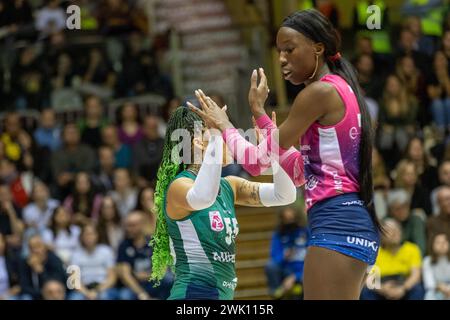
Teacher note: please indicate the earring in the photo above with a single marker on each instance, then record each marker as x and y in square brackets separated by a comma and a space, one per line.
[317, 65]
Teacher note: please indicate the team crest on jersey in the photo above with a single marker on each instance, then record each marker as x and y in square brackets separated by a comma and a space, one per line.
[216, 221]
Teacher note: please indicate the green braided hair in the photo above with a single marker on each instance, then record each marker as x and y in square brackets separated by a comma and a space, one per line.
[182, 118]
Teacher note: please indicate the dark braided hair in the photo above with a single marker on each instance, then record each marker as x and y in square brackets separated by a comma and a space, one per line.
[171, 165]
[315, 26]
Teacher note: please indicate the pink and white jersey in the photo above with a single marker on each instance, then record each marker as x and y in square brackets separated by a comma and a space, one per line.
[331, 153]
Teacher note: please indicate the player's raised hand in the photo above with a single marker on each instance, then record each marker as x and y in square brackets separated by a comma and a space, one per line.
[213, 115]
[258, 93]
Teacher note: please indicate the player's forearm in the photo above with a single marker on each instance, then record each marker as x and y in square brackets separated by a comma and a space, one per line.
[206, 186]
[279, 193]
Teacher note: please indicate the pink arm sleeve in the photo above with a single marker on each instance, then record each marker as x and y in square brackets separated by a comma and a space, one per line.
[256, 159]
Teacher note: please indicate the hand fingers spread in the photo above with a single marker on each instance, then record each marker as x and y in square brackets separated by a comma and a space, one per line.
[196, 110]
[201, 99]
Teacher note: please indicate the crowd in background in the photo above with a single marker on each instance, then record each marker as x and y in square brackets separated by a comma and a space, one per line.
[80, 193]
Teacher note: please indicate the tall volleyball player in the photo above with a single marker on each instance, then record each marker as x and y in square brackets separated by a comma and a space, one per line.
[330, 120]
[196, 214]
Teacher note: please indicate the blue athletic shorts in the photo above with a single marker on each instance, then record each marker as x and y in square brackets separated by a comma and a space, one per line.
[343, 224]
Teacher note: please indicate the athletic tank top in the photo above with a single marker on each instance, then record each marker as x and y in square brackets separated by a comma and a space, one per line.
[331, 153]
[204, 248]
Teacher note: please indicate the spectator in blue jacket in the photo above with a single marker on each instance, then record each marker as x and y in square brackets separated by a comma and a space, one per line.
[287, 255]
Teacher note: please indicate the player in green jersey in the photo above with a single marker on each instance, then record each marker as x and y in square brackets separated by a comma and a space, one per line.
[197, 226]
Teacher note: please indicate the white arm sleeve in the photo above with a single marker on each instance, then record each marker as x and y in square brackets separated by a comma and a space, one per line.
[279, 193]
[204, 192]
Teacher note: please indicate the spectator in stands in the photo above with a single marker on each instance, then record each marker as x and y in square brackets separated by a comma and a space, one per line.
[407, 179]
[38, 213]
[122, 152]
[412, 221]
[16, 18]
[369, 81]
[128, 120]
[73, 157]
[51, 18]
[115, 17]
[9, 272]
[103, 178]
[48, 134]
[381, 183]
[20, 183]
[412, 78]
[92, 123]
[441, 222]
[428, 173]
[423, 44]
[109, 226]
[436, 269]
[10, 224]
[170, 107]
[146, 206]
[29, 85]
[40, 265]
[53, 290]
[287, 254]
[134, 264]
[444, 179]
[83, 203]
[140, 69]
[124, 193]
[439, 93]
[380, 175]
[147, 153]
[399, 265]
[62, 236]
[13, 137]
[407, 47]
[96, 263]
[63, 73]
[97, 73]
[397, 116]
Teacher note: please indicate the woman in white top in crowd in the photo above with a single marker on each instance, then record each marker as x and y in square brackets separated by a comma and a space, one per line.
[109, 226]
[96, 262]
[62, 235]
[436, 269]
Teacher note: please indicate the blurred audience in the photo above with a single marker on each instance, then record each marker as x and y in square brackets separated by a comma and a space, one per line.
[287, 255]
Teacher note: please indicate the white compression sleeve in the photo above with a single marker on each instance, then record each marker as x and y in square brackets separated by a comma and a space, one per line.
[204, 192]
[279, 193]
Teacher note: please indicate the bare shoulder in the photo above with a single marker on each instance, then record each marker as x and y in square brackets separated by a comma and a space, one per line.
[322, 95]
[318, 91]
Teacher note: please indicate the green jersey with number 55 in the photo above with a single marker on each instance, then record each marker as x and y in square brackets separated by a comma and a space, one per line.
[204, 249]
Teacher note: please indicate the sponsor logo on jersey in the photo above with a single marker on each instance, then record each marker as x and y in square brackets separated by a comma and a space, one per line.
[216, 221]
[224, 257]
[337, 181]
[350, 203]
[305, 147]
[312, 182]
[230, 284]
[353, 133]
[363, 242]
